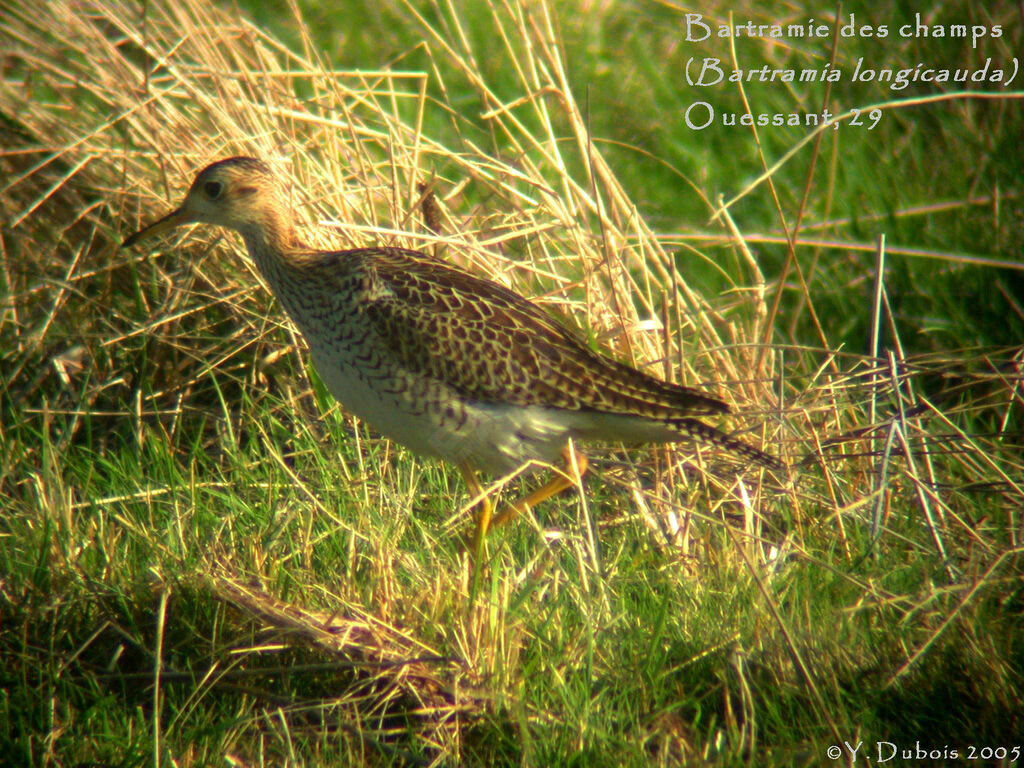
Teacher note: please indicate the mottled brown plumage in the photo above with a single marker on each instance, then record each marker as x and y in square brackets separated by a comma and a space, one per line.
[449, 364]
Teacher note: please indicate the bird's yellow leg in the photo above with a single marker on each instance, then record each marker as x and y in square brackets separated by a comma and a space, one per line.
[483, 523]
[569, 477]
[483, 517]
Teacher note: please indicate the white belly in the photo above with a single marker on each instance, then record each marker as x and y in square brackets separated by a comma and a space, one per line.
[494, 438]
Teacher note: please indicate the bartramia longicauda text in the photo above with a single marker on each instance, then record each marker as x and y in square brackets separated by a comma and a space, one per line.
[448, 364]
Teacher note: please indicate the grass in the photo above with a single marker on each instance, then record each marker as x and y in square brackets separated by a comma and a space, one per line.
[204, 560]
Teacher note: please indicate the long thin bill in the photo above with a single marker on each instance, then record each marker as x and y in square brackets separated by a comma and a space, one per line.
[173, 219]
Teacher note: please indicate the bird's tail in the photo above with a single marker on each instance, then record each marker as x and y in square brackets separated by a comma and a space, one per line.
[703, 433]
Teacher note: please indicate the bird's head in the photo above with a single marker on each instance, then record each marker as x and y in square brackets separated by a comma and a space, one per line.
[241, 193]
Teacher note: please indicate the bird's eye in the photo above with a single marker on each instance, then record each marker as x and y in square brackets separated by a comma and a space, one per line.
[213, 189]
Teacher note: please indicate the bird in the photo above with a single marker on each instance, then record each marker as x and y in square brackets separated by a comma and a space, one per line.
[450, 365]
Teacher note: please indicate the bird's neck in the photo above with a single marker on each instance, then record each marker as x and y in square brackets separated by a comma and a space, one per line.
[271, 243]
[279, 256]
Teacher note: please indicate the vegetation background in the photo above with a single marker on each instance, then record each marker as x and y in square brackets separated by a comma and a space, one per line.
[204, 561]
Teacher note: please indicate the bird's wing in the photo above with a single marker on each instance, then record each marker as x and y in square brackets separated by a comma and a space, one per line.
[492, 345]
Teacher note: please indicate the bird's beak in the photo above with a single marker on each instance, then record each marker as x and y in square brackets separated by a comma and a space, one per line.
[173, 219]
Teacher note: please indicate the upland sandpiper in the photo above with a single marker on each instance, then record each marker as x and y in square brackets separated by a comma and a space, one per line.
[447, 364]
